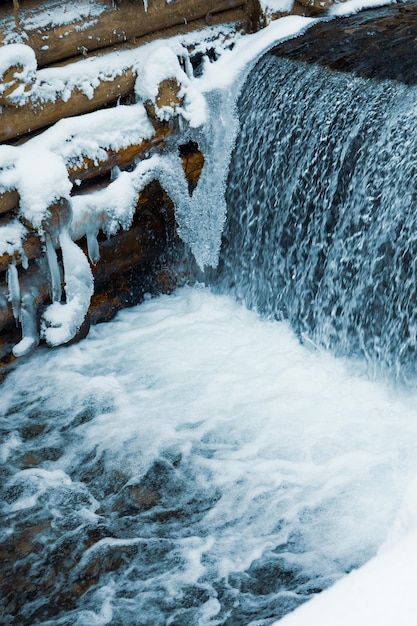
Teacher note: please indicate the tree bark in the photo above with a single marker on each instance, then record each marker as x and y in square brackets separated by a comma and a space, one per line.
[18, 121]
[114, 26]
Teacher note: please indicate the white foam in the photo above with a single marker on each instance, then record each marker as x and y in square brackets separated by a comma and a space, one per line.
[300, 447]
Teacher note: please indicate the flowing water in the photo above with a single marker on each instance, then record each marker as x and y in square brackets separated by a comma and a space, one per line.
[323, 231]
[194, 463]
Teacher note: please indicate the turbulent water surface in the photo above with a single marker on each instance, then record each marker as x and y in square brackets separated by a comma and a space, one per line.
[192, 463]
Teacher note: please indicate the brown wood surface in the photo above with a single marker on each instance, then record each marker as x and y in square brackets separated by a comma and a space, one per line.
[15, 122]
[89, 168]
[114, 26]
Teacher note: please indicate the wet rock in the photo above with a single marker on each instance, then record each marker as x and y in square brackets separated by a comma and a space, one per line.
[378, 44]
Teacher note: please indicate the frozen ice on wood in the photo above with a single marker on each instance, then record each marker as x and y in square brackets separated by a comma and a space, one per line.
[61, 322]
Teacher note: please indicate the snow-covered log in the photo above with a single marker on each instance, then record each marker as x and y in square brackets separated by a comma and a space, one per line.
[88, 167]
[17, 121]
[17, 71]
[55, 34]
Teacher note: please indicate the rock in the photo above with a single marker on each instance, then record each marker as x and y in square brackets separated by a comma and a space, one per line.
[378, 44]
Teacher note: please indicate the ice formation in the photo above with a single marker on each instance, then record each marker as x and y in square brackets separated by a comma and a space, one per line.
[60, 322]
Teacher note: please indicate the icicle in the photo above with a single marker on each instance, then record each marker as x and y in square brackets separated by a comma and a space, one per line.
[61, 322]
[54, 270]
[30, 336]
[188, 68]
[145, 5]
[25, 260]
[14, 290]
[92, 247]
[115, 172]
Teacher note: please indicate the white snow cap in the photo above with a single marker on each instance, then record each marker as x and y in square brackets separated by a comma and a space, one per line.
[45, 181]
[17, 54]
[163, 64]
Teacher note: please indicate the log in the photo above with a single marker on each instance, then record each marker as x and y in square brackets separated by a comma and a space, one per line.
[113, 26]
[10, 82]
[122, 158]
[89, 168]
[36, 115]
[8, 201]
[129, 267]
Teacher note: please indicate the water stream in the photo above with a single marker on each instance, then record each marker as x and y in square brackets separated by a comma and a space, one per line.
[323, 230]
[194, 463]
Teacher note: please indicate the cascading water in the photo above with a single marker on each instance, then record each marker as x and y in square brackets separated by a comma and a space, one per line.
[322, 199]
[191, 464]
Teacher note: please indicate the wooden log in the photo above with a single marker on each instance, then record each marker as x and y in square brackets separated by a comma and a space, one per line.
[8, 201]
[122, 158]
[10, 81]
[36, 115]
[129, 266]
[119, 22]
[89, 168]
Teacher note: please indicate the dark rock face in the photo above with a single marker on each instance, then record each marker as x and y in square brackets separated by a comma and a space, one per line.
[378, 44]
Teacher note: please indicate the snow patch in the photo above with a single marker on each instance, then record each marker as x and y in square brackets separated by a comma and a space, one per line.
[354, 6]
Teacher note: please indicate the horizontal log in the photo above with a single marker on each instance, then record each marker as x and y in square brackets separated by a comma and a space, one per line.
[113, 26]
[122, 158]
[89, 168]
[8, 201]
[128, 267]
[36, 115]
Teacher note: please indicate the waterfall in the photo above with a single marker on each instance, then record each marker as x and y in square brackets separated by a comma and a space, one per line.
[191, 462]
[322, 223]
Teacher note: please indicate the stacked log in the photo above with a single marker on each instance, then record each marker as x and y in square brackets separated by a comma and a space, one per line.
[130, 261]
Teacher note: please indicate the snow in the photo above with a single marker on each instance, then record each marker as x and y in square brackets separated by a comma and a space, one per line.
[22, 58]
[382, 592]
[269, 7]
[90, 135]
[53, 14]
[354, 6]
[41, 180]
[11, 237]
[162, 64]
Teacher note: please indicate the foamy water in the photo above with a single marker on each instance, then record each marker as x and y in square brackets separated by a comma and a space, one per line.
[190, 463]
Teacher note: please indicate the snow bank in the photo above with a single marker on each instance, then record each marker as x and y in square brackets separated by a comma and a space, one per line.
[354, 6]
[381, 593]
